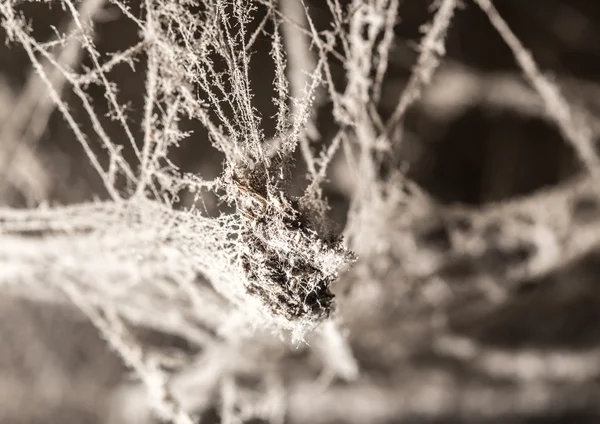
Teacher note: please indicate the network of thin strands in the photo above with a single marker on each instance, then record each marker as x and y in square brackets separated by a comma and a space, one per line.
[135, 261]
[282, 261]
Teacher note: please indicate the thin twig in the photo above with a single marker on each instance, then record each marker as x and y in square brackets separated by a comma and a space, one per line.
[432, 47]
[573, 128]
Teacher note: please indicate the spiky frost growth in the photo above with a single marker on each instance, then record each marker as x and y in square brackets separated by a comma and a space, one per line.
[286, 263]
[198, 62]
[270, 263]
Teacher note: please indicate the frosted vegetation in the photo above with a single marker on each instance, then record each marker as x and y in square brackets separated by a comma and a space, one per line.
[249, 279]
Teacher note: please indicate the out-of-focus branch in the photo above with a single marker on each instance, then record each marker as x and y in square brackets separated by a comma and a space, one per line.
[574, 128]
[141, 268]
[432, 48]
[434, 395]
[300, 59]
[22, 129]
[457, 88]
[123, 257]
